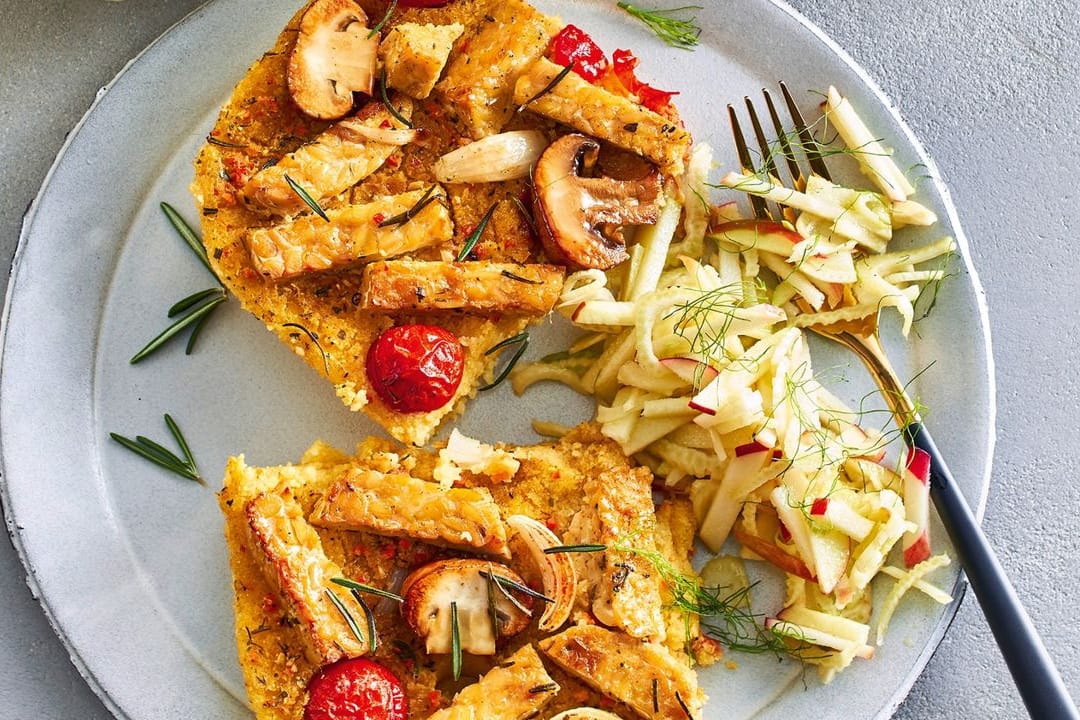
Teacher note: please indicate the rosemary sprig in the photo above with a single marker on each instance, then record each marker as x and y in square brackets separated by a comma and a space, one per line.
[549, 87]
[306, 197]
[163, 457]
[315, 339]
[361, 587]
[474, 237]
[389, 105]
[455, 641]
[583, 548]
[195, 316]
[188, 235]
[522, 342]
[379, 25]
[403, 217]
[678, 32]
[349, 619]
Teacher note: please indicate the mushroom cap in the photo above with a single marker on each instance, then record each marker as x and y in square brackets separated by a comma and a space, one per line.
[428, 591]
[570, 208]
[333, 58]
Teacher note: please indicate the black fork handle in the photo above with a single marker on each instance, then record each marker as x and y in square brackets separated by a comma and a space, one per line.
[1036, 677]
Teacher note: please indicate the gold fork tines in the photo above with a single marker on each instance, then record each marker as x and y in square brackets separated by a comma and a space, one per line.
[861, 338]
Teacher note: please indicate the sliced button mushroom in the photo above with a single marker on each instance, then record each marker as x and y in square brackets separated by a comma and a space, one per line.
[474, 586]
[572, 208]
[333, 58]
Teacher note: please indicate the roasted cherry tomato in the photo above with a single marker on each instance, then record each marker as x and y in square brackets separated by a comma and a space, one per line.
[623, 64]
[355, 689]
[573, 45]
[415, 368]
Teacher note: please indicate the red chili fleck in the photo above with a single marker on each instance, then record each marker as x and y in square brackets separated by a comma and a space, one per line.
[384, 124]
[377, 218]
[573, 45]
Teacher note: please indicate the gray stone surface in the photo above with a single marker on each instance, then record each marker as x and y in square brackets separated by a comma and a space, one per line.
[988, 87]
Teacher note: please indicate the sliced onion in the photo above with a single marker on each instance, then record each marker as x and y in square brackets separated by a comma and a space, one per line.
[556, 569]
[385, 136]
[506, 156]
[585, 713]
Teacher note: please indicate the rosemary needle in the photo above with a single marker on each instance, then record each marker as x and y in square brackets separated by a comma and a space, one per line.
[522, 342]
[389, 105]
[379, 25]
[403, 217]
[549, 87]
[349, 620]
[353, 585]
[194, 299]
[188, 235]
[455, 641]
[306, 197]
[474, 236]
[160, 455]
[168, 333]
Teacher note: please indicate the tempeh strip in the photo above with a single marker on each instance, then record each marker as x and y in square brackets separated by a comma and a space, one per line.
[295, 565]
[398, 505]
[514, 690]
[478, 287]
[352, 233]
[333, 162]
[645, 676]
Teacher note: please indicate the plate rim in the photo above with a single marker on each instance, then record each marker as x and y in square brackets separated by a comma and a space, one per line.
[959, 590]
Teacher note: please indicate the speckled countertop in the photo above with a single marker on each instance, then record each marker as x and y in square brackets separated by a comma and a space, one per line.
[989, 88]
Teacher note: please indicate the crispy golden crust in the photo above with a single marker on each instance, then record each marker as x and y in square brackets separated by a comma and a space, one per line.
[547, 486]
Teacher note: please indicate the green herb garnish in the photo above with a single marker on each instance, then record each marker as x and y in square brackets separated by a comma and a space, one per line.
[306, 197]
[549, 87]
[379, 25]
[522, 342]
[583, 548]
[474, 236]
[361, 587]
[679, 32]
[349, 620]
[389, 105]
[195, 317]
[314, 339]
[514, 276]
[403, 217]
[181, 226]
[370, 617]
[162, 456]
[455, 641]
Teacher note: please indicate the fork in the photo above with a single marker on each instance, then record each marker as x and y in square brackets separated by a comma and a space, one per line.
[1037, 679]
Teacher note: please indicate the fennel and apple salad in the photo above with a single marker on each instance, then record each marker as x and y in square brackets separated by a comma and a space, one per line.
[696, 354]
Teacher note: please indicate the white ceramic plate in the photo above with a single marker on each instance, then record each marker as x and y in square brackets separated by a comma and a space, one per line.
[129, 561]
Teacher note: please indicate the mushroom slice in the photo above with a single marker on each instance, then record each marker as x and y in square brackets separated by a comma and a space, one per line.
[516, 689]
[333, 58]
[570, 207]
[645, 676]
[398, 505]
[556, 569]
[474, 585]
[477, 287]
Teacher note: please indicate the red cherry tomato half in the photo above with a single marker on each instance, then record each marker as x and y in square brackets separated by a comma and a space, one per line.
[355, 689]
[623, 64]
[415, 368]
[573, 45]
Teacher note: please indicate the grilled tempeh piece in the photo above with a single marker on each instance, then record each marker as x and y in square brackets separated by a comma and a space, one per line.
[333, 162]
[602, 114]
[414, 55]
[398, 505]
[515, 690]
[480, 79]
[623, 590]
[295, 564]
[645, 676]
[478, 287]
[311, 244]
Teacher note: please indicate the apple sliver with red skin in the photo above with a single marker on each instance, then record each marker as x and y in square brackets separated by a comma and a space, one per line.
[691, 370]
[916, 544]
[741, 477]
[765, 235]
